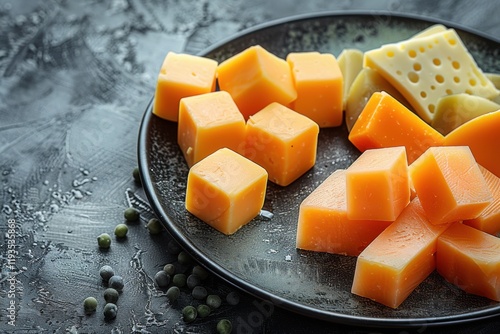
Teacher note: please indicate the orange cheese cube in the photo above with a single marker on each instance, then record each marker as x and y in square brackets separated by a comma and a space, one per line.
[207, 123]
[489, 219]
[482, 135]
[470, 259]
[385, 122]
[282, 141]
[450, 184]
[399, 259]
[226, 190]
[377, 184]
[323, 225]
[256, 78]
[319, 84]
[182, 75]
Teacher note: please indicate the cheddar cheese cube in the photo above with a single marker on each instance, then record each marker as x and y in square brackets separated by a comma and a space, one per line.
[386, 122]
[377, 184]
[282, 141]
[226, 190]
[489, 219]
[255, 78]
[399, 259]
[323, 225]
[319, 84]
[182, 75]
[450, 184]
[207, 123]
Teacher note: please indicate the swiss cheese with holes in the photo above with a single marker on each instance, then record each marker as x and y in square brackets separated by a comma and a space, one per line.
[426, 68]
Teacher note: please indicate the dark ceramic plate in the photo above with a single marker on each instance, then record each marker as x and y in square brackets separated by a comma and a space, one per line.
[261, 258]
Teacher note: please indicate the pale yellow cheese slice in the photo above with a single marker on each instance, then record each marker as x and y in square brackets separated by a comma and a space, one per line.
[426, 68]
[350, 62]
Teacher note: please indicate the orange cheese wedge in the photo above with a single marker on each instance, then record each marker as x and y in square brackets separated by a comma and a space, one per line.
[450, 184]
[226, 190]
[489, 219]
[323, 225]
[377, 184]
[470, 259]
[319, 84]
[282, 141]
[182, 75]
[385, 122]
[399, 259]
[482, 135]
[207, 123]
[255, 78]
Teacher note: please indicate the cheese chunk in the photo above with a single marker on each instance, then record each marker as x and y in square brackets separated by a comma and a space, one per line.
[366, 83]
[482, 135]
[351, 63]
[385, 122]
[182, 75]
[226, 190]
[455, 110]
[470, 259]
[323, 225]
[436, 28]
[377, 184]
[319, 85]
[450, 184]
[282, 141]
[407, 65]
[207, 123]
[489, 219]
[255, 78]
[399, 259]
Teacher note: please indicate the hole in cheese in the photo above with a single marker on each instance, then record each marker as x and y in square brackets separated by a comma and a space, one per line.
[412, 53]
[439, 78]
[436, 61]
[413, 77]
[455, 64]
[417, 66]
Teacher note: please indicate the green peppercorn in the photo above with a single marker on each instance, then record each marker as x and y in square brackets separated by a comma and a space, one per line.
[90, 304]
[179, 280]
[131, 214]
[199, 292]
[233, 298]
[121, 230]
[136, 174]
[184, 258]
[201, 272]
[224, 326]
[189, 313]
[111, 295]
[106, 272]
[162, 279]
[214, 301]
[169, 269]
[173, 293]
[104, 240]
[203, 310]
[116, 282]
[154, 226]
[192, 281]
[110, 311]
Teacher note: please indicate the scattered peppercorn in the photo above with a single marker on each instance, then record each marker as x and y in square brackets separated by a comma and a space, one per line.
[173, 293]
[233, 298]
[116, 282]
[110, 311]
[214, 301]
[184, 258]
[136, 174]
[189, 313]
[104, 240]
[111, 295]
[179, 280]
[154, 226]
[162, 279]
[201, 272]
[199, 292]
[203, 310]
[106, 272]
[131, 214]
[90, 304]
[224, 326]
[121, 230]
[169, 269]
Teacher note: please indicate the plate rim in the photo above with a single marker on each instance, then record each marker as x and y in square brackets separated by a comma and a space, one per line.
[230, 278]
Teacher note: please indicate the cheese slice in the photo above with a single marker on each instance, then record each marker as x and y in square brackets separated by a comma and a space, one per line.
[351, 63]
[426, 68]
